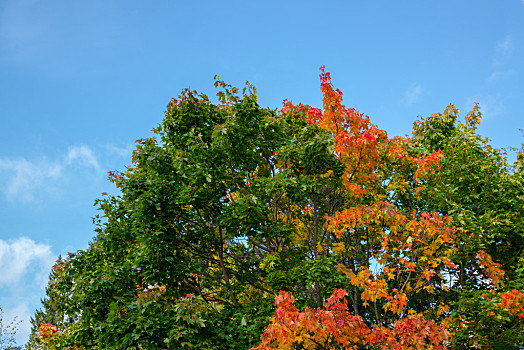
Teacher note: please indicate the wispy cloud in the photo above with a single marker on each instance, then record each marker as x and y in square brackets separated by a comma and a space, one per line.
[412, 94]
[491, 106]
[502, 56]
[82, 155]
[122, 152]
[503, 51]
[20, 178]
[500, 75]
[506, 46]
[19, 256]
[25, 266]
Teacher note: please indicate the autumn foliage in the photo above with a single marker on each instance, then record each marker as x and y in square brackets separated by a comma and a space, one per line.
[413, 252]
[333, 327]
[304, 228]
[46, 332]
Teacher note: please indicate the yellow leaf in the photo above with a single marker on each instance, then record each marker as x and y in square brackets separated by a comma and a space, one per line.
[339, 248]
[430, 289]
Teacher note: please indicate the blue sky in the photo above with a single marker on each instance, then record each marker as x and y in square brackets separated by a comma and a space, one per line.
[80, 81]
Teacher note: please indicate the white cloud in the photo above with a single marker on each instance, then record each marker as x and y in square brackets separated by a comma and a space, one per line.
[25, 266]
[84, 155]
[19, 256]
[122, 152]
[412, 94]
[500, 75]
[503, 51]
[506, 47]
[21, 179]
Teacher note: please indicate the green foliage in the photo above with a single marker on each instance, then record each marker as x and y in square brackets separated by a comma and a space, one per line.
[203, 209]
[485, 196]
[54, 306]
[229, 204]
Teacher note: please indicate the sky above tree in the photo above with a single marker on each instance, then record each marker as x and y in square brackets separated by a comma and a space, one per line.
[80, 81]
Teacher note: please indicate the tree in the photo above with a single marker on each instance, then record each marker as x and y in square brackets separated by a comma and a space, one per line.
[428, 248]
[200, 212]
[231, 204]
[52, 311]
[484, 195]
[8, 333]
[389, 254]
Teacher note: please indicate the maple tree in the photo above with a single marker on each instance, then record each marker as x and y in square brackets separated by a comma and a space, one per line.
[370, 230]
[380, 241]
[52, 315]
[413, 255]
[335, 327]
[483, 194]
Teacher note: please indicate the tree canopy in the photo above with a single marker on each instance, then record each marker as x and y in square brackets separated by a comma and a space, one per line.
[363, 241]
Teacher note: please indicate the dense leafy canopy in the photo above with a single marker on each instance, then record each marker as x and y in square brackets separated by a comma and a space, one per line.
[383, 243]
